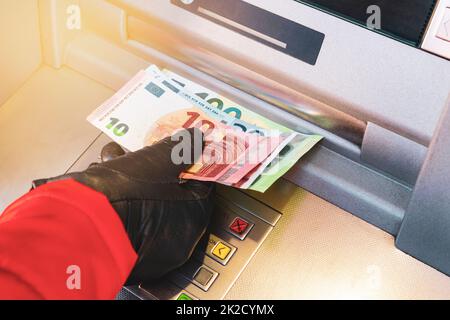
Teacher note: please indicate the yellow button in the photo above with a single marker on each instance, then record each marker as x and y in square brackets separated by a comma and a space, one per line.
[221, 251]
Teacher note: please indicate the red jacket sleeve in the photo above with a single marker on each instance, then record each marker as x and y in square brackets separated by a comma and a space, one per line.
[63, 241]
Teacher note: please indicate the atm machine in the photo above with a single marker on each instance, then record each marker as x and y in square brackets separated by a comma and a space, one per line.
[366, 214]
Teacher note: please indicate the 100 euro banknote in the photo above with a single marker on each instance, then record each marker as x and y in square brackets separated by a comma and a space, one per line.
[279, 162]
[144, 112]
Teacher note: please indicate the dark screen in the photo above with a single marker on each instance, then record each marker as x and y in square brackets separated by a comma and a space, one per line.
[402, 19]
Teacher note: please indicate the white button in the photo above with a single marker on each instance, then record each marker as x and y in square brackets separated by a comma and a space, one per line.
[444, 27]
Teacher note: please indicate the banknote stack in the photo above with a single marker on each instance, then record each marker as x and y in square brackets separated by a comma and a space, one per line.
[242, 148]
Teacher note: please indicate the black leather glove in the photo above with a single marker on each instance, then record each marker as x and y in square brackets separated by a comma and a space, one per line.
[163, 216]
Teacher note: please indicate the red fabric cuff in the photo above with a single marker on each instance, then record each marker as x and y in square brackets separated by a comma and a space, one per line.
[56, 226]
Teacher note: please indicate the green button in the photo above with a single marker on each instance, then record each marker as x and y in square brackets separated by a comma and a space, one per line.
[184, 296]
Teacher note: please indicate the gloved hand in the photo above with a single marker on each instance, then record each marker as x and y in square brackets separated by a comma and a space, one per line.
[163, 216]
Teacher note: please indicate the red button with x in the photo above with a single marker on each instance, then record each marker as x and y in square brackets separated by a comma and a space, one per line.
[239, 227]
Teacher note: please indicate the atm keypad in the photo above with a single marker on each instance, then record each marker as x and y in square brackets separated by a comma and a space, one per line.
[228, 245]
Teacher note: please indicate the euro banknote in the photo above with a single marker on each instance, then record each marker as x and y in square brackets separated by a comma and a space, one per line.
[226, 111]
[145, 111]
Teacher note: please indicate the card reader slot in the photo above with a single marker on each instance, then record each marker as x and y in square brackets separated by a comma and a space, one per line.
[149, 39]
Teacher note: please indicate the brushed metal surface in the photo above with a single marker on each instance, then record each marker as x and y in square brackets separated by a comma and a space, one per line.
[318, 251]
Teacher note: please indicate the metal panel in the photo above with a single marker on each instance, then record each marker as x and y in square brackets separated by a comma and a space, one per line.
[353, 187]
[318, 251]
[366, 75]
[425, 231]
[393, 154]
